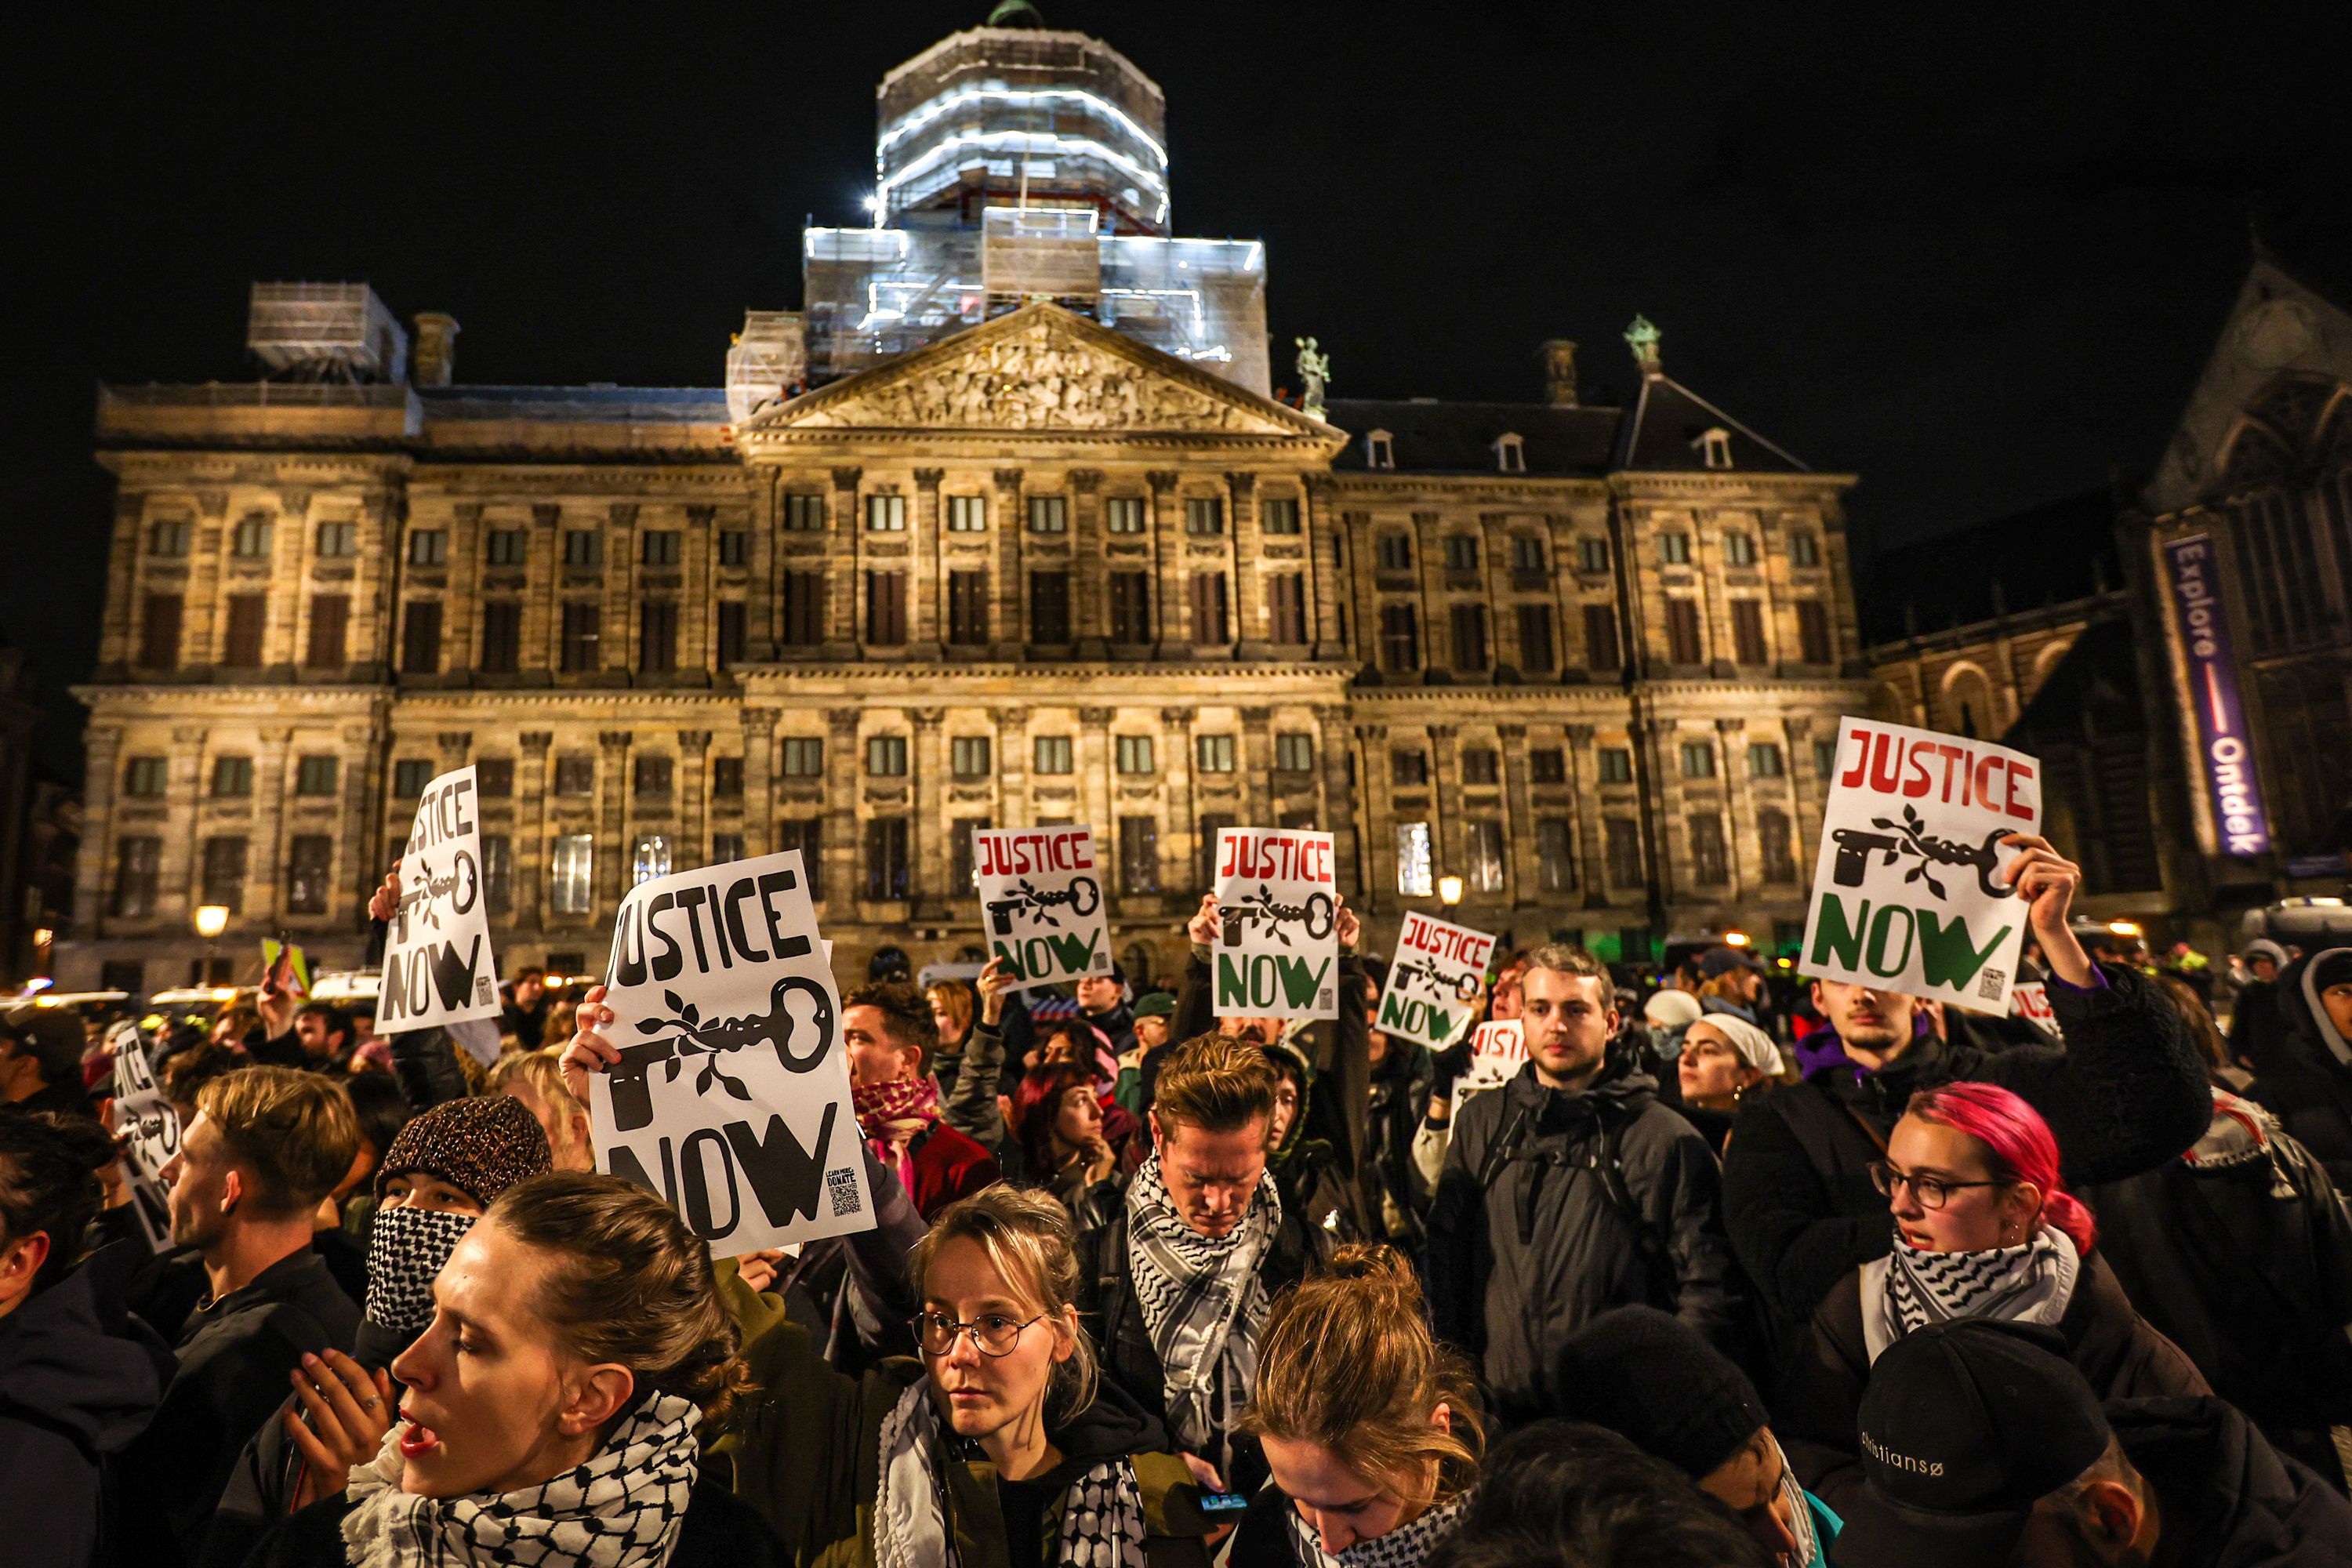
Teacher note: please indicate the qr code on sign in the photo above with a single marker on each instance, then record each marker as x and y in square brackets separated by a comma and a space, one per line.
[1325, 999]
[481, 990]
[1994, 979]
[843, 1184]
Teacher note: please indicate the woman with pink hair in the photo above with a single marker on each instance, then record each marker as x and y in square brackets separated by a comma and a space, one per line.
[1983, 1227]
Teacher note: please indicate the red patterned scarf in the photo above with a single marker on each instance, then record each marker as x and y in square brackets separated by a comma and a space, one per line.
[892, 1115]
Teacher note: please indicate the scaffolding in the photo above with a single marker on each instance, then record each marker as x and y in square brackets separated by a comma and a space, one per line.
[768, 360]
[325, 331]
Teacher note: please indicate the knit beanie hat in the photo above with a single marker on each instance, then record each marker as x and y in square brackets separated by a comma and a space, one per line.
[480, 1146]
[1653, 1378]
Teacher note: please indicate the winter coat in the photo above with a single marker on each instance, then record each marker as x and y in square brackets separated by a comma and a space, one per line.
[1554, 1206]
[1401, 1085]
[2240, 1253]
[2125, 1094]
[2226, 1497]
[718, 1531]
[805, 1453]
[948, 1166]
[1815, 1417]
[2302, 1082]
[236, 1360]
[79, 1379]
[967, 1081]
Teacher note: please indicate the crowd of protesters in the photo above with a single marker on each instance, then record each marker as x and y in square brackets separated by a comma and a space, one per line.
[1734, 1272]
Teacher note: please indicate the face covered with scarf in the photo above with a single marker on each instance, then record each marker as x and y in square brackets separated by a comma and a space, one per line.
[443, 1170]
[895, 1099]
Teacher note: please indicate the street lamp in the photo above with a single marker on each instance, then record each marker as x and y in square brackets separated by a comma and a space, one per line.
[1449, 890]
[211, 920]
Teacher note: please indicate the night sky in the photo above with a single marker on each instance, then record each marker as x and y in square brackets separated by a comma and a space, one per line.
[1976, 256]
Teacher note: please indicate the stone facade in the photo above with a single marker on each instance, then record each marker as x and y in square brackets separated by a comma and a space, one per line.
[1035, 572]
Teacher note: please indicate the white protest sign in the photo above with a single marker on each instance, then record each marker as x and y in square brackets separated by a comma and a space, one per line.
[1434, 980]
[1910, 891]
[1041, 894]
[438, 967]
[1278, 906]
[1498, 1051]
[2030, 1000]
[731, 1098]
[140, 1110]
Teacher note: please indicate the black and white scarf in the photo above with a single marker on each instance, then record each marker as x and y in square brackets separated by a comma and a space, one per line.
[1203, 1301]
[1908, 1288]
[1102, 1514]
[407, 1247]
[1408, 1546]
[621, 1510]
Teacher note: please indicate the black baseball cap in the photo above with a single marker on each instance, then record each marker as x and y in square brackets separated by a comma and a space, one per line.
[1964, 1427]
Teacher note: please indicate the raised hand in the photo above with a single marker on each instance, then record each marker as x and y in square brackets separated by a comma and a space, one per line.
[994, 982]
[2047, 880]
[1203, 926]
[349, 1408]
[385, 902]
[589, 1051]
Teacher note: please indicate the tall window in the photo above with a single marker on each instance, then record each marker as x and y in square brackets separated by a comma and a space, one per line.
[501, 635]
[1416, 873]
[1615, 764]
[316, 776]
[1682, 645]
[804, 757]
[252, 538]
[1213, 753]
[805, 513]
[310, 867]
[497, 873]
[1481, 765]
[1698, 760]
[968, 756]
[1278, 514]
[886, 514]
[494, 777]
[583, 547]
[1747, 630]
[223, 872]
[1708, 868]
[886, 609]
[1764, 761]
[658, 637]
[657, 547]
[410, 775]
[1814, 632]
[967, 608]
[1135, 754]
[1286, 607]
[1208, 608]
[1399, 638]
[428, 547]
[136, 862]
[571, 874]
[803, 608]
[1555, 856]
[648, 859]
[1536, 654]
[1204, 867]
[1601, 655]
[1130, 607]
[1739, 547]
[1591, 554]
[726, 778]
[1124, 514]
[1462, 553]
[1547, 766]
[575, 773]
[1674, 548]
[724, 848]
[1049, 514]
[1052, 754]
[1804, 548]
[145, 778]
[1526, 553]
[1204, 515]
[807, 836]
[1409, 767]
[331, 620]
[580, 636]
[231, 778]
[652, 775]
[506, 546]
[730, 631]
[886, 756]
[1825, 759]
[334, 541]
[1138, 855]
[1482, 848]
[248, 613]
[1394, 553]
[1049, 607]
[967, 514]
[963, 870]
[1470, 639]
[168, 538]
[420, 642]
[1772, 833]
[1622, 838]
[159, 632]
[1294, 751]
[885, 858]
[734, 547]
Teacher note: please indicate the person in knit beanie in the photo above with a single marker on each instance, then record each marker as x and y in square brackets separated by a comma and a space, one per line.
[1653, 1379]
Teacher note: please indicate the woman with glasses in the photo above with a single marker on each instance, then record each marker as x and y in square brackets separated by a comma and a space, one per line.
[997, 1446]
[1984, 1227]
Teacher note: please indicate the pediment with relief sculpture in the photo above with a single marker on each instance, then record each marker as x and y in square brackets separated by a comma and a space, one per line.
[1040, 370]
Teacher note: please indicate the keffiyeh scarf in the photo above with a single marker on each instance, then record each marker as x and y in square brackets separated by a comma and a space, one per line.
[407, 1247]
[1908, 1289]
[892, 1116]
[1407, 1547]
[1102, 1514]
[621, 1510]
[1203, 1301]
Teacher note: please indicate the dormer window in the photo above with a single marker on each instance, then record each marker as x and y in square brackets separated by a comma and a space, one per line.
[1715, 447]
[1511, 455]
[1379, 450]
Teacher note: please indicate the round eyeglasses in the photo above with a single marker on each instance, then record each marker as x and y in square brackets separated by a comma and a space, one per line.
[1931, 1191]
[994, 1335]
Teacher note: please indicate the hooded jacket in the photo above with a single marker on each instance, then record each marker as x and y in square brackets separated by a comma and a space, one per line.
[1403, 1084]
[80, 1378]
[2125, 1094]
[1555, 1205]
[2226, 1498]
[2299, 1075]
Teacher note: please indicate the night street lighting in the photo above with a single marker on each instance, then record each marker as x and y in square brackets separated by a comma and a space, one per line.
[211, 920]
[1449, 890]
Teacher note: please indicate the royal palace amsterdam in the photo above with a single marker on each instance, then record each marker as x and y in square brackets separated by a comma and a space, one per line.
[1004, 526]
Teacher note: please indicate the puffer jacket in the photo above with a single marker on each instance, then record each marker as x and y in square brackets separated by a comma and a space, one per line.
[2125, 1094]
[1554, 1206]
[2230, 1500]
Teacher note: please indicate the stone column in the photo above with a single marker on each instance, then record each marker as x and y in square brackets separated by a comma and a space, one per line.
[178, 877]
[1808, 794]
[1379, 826]
[845, 767]
[693, 797]
[617, 647]
[1523, 878]
[1256, 763]
[929, 870]
[1089, 577]
[697, 596]
[115, 635]
[1334, 809]
[1326, 573]
[1180, 842]
[364, 862]
[93, 895]
[461, 610]
[759, 780]
[615, 867]
[543, 635]
[1445, 801]
[200, 607]
[1168, 573]
[1247, 626]
[1096, 789]
[1013, 808]
[1008, 627]
[265, 897]
[927, 631]
[531, 784]
[1738, 817]
[1584, 801]
[846, 543]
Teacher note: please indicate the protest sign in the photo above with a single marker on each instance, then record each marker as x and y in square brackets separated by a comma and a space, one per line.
[1041, 895]
[2030, 1000]
[1277, 906]
[140, 1110]
[438, 967]
[298, 965]
[731, 1098]
[1498, 1051]
[1434, 981]
[1910, 891]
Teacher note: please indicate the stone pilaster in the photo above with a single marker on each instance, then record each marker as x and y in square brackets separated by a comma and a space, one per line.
[531, 786]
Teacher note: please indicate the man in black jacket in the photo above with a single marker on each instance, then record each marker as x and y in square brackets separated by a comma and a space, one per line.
[267, 1144]
[2126, 1093]
[1570, 1191]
